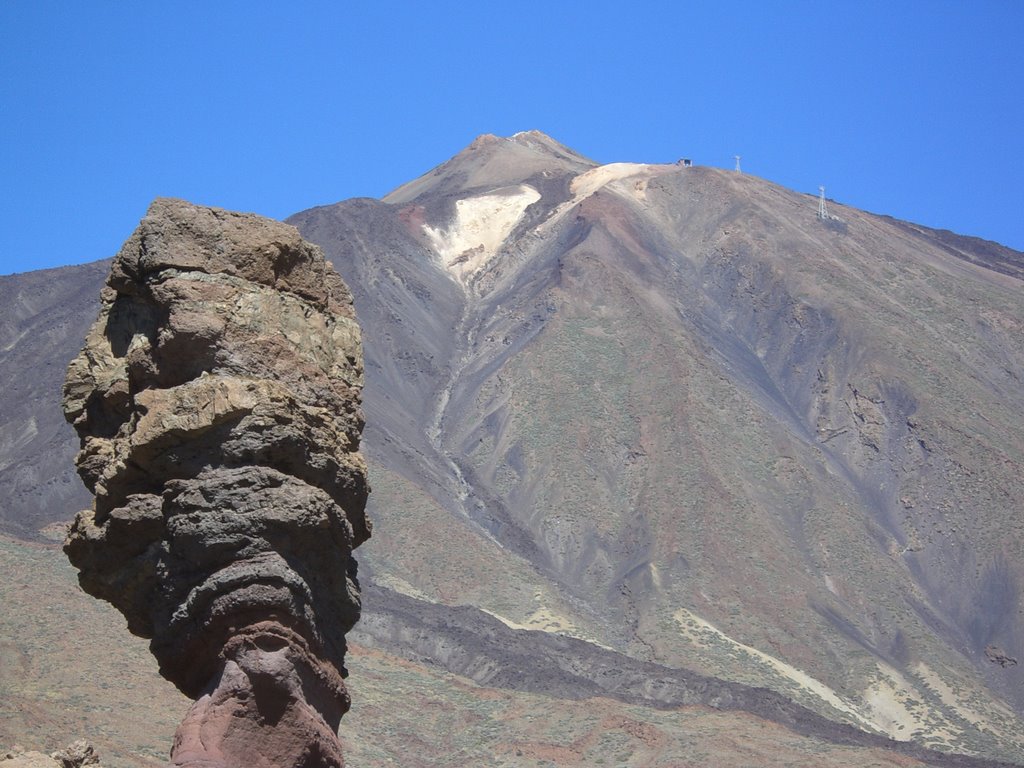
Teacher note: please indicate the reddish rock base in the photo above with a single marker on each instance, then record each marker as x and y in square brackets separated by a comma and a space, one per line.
[273, 705]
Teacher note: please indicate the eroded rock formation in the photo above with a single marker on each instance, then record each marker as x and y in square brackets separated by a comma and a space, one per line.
[217, 399]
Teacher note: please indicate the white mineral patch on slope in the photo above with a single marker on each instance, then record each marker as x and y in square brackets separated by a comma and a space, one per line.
[705, 633]
[948, 696]
[588, 183]
[887, 699]
[543, 619]
[402, 587]
[481, 226]
[891, 704]
[626, 178]
[963, 698]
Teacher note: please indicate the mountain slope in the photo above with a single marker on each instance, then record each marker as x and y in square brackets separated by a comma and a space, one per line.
[740, 456]
[675, 413]
[41, 328]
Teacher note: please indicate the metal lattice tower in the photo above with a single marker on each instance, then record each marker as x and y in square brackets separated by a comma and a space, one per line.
[737, 158]
[822, 209]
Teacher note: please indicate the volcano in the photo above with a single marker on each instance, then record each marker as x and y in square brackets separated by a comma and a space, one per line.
[667, 468]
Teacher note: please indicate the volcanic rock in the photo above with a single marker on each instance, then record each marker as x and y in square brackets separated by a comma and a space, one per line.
[217, 400]
[76, 755]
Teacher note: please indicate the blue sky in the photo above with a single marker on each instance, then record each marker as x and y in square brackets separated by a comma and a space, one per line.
[913, 109]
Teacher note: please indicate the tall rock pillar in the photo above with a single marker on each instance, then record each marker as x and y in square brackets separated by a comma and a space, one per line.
[218, 404]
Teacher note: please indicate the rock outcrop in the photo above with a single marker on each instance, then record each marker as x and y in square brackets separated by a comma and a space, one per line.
[217, 399]
[76, 755]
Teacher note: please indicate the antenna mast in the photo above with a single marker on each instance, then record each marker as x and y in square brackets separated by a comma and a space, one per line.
[737, 158]
[822, 209]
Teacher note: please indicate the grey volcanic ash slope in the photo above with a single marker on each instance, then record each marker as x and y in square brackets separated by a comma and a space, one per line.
[668, 410]
[43, 319]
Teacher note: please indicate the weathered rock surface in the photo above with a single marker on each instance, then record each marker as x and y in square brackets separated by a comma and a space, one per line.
[76, 755]
[218, 404]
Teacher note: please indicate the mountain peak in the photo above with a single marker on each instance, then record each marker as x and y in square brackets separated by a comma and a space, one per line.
[533, 139]
[495, 161]
[540, 141]
[483, 140]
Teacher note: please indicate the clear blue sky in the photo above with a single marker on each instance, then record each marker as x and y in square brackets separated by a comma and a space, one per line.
[908, 108]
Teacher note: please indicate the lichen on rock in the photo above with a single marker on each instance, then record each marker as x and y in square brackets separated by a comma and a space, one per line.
[217, 400]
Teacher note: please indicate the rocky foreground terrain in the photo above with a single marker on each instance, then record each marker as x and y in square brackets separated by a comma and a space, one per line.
[666, 471]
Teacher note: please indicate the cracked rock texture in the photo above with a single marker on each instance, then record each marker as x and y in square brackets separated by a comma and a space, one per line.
[217, 400]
